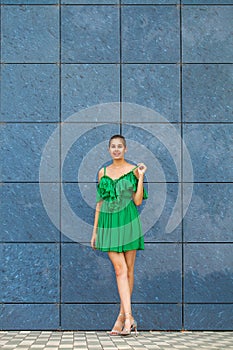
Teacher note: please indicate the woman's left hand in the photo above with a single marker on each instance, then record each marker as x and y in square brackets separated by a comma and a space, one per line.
[141, 169]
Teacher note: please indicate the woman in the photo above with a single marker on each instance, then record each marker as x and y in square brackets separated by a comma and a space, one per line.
[117, 227]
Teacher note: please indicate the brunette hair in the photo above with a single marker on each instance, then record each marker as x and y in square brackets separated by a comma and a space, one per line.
[117, 137]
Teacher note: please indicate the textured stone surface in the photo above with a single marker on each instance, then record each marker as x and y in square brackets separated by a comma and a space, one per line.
[158, 316]
[152, 2]
[22, 316]
[33, 92]
[30, 34]
[29, 272]
[102, 316]
[84, 85]
[209, 317]
[21, 150]
[89, 136]
[81, 268]
[30, 2]
[208, 273]
[92, 316]
[207, 92]
[164, 148]
[81, 271]
[89, 2]
[150, 34]
[215, 2]
[81, 198]
[209, 217]
[23, 215]
[155, 86]
[207, 34]
[158, 274]
[90, 34]
[210, 147]
[157, 233]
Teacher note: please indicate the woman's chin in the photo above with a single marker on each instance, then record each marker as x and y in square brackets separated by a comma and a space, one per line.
[118, 158]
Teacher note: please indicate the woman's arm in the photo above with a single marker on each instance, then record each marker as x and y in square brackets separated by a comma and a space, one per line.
[97, 210]
[138, 195]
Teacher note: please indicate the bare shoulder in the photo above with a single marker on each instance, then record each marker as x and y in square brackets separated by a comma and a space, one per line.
[100, 173]
[130, 167]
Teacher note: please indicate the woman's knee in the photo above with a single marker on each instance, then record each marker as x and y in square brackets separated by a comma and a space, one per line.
[121, 270]
[130, 271]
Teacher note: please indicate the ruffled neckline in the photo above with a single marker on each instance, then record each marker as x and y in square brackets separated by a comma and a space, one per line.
[118, 178]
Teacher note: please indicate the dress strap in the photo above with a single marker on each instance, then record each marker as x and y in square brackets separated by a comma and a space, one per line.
[105, 170]
[134, 168]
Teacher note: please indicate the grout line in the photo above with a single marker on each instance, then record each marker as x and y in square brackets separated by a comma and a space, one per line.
[182, 169]
[117, 62]
[60, 170]
[115, 4]
[146, 242]
[2, 183]
[117, 303]
[121, 73]
[112, 123]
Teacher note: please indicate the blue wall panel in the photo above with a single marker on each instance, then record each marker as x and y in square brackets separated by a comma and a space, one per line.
[206, 34]
[22, 145]
[61, 62]
[23, 216]
[30, 34]
[33, 92]
[150, 34]
[29, 272]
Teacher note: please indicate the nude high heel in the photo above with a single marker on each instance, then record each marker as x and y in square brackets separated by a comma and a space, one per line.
[133, 326]
[115, 331]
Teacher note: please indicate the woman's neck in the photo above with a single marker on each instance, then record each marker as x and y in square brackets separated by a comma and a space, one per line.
[118, 163]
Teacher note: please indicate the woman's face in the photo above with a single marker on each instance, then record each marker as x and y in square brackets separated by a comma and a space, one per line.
[117, 148]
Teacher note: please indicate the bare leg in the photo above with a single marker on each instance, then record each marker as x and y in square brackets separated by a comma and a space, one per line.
[121, 270]
[124, 267]
[130, 261]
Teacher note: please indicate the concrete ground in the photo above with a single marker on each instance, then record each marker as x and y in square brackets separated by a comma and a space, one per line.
[66, 340]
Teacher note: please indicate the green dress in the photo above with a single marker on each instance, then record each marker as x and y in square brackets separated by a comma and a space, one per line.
[119, 226]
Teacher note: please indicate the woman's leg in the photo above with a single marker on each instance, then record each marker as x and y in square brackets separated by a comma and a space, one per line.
[121, 271]
[130, 260]
[130, 257]
[125, 280]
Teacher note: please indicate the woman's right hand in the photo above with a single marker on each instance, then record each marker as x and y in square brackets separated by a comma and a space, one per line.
[93, 240]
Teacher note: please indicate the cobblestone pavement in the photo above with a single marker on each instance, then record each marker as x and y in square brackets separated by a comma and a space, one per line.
[66, 340]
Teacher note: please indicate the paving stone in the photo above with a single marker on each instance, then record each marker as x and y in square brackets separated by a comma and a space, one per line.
[101, 340]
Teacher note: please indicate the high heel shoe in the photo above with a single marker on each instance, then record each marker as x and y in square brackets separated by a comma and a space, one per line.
[133, 326]
[116, 331]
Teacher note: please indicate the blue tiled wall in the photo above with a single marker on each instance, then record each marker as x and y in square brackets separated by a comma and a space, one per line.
[59, 57]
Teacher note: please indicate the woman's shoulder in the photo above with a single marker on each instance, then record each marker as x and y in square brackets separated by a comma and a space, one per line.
[101, 173]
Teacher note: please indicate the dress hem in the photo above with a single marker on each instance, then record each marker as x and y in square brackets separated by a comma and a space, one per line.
[117, 251]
